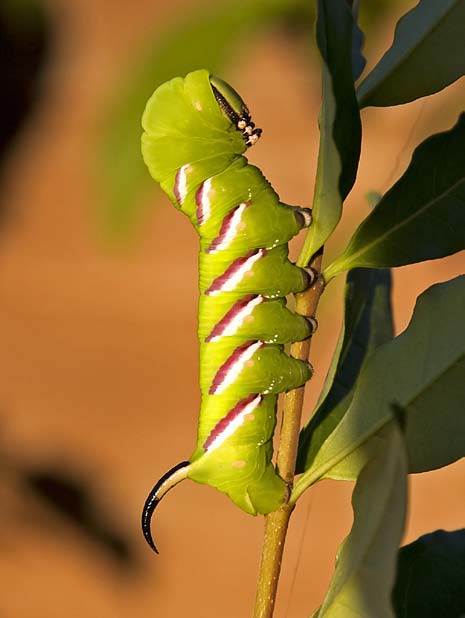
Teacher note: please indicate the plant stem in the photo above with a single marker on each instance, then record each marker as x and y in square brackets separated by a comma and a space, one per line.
[276, 523]
[273, 545]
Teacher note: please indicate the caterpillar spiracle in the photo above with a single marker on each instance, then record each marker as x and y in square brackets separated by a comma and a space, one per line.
[196, 130]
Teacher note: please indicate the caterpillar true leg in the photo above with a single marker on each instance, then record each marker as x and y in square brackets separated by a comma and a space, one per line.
[196, 130]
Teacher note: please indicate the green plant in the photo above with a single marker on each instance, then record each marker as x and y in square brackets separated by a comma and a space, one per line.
[390, 405]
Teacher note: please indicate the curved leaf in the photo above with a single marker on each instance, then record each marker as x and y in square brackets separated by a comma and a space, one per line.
[205, 38]
[430, 577]
[367, 324]
[428, 54]
[366, 561]
[340, 128]
[421, 371]
[422, 217]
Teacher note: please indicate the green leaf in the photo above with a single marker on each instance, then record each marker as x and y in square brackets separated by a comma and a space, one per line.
[430, 577]
[422, 217]
[366, 561]
[203, 38]
[421, 371]
[367, 324]
[428, 54]
[340, 129]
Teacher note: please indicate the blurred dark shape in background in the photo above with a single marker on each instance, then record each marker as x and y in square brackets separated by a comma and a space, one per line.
[61, 490]
[25, 41]
[71, 497]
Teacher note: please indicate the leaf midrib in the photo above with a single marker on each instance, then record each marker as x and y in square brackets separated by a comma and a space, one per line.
[402, 223]
[375, 427]
[403, 58]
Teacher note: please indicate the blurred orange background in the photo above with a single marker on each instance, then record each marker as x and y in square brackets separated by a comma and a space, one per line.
[98, 361]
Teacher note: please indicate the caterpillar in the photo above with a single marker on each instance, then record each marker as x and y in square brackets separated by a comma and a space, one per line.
[196, 130]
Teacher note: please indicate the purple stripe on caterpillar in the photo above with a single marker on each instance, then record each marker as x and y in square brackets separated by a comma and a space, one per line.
[232, 421]
[234, 318]
[233, 275]
[229, 371]
[229, 228]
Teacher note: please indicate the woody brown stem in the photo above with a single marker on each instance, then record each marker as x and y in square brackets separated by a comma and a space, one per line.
[276, 523]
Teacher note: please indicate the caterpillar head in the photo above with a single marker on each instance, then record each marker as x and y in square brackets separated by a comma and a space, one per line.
[235, 109]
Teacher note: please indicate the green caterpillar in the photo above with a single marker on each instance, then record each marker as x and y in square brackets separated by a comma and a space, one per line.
[196, 130]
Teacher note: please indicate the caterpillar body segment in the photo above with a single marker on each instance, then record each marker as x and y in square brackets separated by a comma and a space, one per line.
[196, 130]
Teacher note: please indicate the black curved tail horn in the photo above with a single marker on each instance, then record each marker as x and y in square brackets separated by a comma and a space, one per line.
[167, 482]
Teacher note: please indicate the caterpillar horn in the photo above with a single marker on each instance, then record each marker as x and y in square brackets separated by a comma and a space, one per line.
[162, 487]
